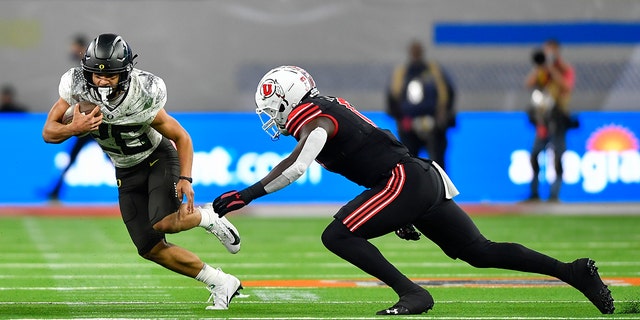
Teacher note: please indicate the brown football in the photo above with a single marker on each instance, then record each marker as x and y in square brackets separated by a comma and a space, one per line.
[85, 107]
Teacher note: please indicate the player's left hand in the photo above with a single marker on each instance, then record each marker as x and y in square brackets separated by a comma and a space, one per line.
[184, 188]
[408, 232]
[229, 201]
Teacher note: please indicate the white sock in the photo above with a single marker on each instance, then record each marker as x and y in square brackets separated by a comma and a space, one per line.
[210, 276]
[205, 218]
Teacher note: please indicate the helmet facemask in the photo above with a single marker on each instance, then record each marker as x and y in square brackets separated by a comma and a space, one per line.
[269, 125]
[108, 93]
[271, 106]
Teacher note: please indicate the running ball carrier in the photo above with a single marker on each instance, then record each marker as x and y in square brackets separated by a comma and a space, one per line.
[152, 154]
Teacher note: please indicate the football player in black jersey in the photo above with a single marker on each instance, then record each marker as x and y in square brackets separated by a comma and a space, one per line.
[401, 192]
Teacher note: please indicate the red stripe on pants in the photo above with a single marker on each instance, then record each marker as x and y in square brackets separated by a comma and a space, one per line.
[379, 201]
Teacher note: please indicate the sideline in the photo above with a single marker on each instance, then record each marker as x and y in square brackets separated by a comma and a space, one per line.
[432, 282]
[327, 210]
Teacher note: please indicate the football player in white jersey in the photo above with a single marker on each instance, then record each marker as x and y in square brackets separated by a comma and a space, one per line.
[153, 156]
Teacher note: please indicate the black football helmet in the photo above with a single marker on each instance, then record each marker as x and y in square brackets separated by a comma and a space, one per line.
[108, 54]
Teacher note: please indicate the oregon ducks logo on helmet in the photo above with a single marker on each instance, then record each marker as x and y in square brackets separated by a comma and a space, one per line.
[101, 66]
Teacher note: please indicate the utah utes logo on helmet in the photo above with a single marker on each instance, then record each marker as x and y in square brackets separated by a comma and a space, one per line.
[268, 88]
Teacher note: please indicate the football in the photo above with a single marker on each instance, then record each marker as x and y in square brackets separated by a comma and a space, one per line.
[85, 107]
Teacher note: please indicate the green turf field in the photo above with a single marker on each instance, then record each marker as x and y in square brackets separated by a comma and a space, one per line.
[62, 267]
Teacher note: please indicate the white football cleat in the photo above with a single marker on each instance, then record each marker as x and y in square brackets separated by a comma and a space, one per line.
[224, 293]
[222, 229]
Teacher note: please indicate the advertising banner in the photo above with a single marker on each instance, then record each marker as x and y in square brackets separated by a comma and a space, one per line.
[487, 159]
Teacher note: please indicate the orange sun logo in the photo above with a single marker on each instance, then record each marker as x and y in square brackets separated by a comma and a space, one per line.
[612, 138]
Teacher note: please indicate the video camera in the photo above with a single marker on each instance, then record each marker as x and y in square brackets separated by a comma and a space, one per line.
[538, 57]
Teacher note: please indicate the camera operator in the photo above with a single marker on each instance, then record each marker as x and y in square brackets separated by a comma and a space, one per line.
[551, 82]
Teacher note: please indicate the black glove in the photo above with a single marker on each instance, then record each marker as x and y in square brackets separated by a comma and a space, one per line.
[408, 232]
[229, 201]
[234, 200]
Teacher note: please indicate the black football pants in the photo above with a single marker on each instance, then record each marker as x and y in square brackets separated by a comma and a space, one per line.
[419, 199]
[147, 194]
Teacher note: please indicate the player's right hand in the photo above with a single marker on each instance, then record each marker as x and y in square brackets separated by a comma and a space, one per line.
[229, 201]
[408, 232]
[86, 123]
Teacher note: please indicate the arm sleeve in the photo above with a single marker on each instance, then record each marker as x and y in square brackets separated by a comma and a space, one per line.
[312, 147]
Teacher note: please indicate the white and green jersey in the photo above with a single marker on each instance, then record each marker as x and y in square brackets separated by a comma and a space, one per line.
[125, 134]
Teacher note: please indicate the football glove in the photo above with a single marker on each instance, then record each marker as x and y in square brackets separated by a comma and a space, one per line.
[234, 200]
[408, 232]
[229, 201]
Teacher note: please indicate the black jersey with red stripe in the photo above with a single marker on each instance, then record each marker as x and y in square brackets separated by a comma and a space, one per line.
[358, 149]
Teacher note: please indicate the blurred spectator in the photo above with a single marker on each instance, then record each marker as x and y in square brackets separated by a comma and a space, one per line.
[8, 102]
[76, 53]
[77, 48]
[421, 98]
[551, 82]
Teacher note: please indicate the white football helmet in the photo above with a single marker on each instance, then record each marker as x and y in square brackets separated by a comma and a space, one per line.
[279, 91]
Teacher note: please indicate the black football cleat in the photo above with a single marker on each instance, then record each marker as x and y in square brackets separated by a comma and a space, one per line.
[394, 311]
[585, 277]
[417, 302]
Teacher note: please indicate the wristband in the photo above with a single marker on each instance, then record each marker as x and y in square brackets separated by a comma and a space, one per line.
[186, 178]
[253, 192]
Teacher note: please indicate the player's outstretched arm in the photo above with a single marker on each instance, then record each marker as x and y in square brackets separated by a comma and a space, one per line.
[312, 139]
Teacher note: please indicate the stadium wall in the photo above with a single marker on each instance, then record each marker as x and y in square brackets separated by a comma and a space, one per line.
[211, 53]
[488, 160]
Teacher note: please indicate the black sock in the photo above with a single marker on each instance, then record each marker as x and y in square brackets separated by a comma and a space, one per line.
[512, 256]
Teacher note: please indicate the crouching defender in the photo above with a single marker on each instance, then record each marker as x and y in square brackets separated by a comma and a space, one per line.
[401, 192]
